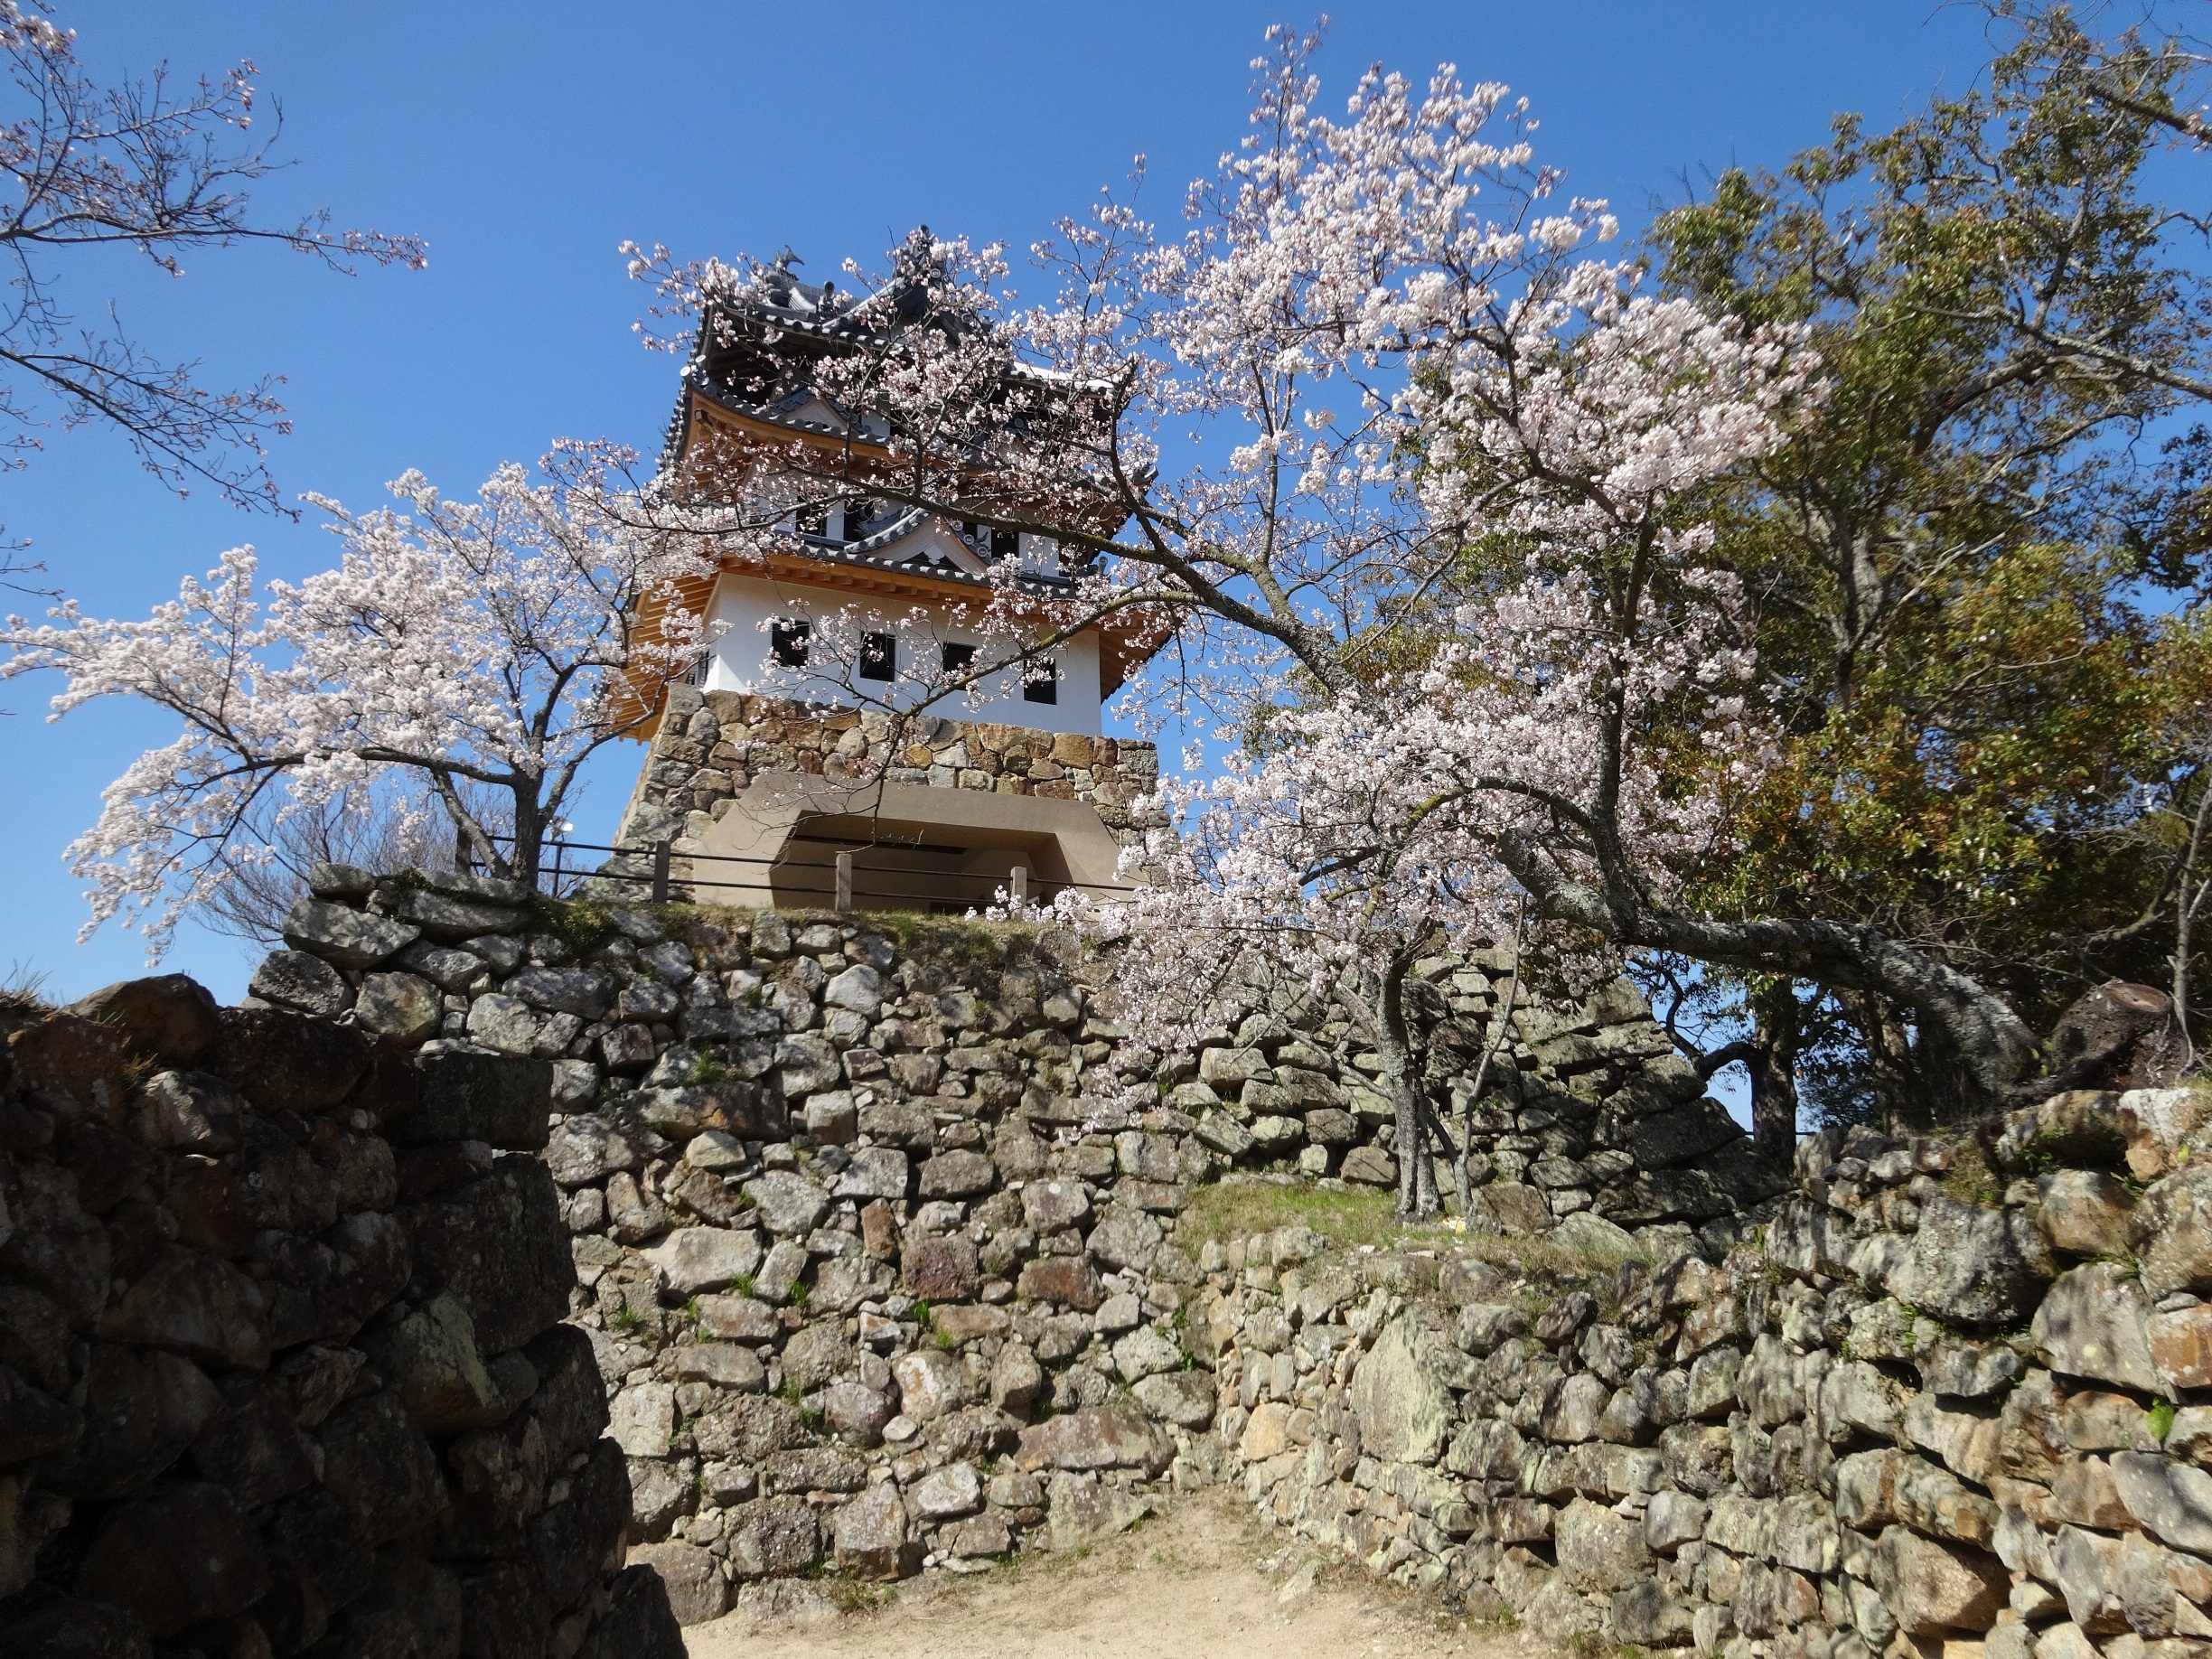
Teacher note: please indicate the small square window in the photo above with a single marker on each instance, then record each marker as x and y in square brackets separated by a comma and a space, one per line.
[956, 657]
[1041, 682]
[813, 518]
[787, 641]
[878, 657]
[1005, 543]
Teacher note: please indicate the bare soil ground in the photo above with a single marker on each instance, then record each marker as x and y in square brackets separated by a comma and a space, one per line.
[1205, 1577]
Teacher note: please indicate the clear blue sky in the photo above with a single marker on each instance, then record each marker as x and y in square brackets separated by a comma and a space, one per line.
[524, 143]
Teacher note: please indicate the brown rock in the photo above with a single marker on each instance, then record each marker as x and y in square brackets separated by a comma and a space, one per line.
[943, 1269]
[2181, 1346]
[1070, 1280]
[931, 1382]
[1095, 1438]
[2083, 1212]
[170, 1016]
[879, 1232]
[1932, 1588]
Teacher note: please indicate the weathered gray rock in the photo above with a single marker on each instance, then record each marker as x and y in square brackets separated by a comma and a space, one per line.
[443, 916]
[1095, 1438]
[790, 1205]
[1048, 1206]
[775, 1538]
[1184, 1398]
[295, 979]
[2172, 1227]
[1404, 1409]
[875, 1172]
[350, 938]
[697, 1591]
[2171, 1501]
[859, 987]
[1597, 1550]
[642, 1416]
[1371, 1166]
[2093, 1324]
[695, 1259]
[1973, 1265]
[954, 1175]
[869, 1536]
[1145, 1353]
[403, 1007]
[953, 1490]
[1085, 1508]
[503, 1024]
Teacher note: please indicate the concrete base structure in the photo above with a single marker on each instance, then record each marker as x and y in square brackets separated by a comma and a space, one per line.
[938, 814]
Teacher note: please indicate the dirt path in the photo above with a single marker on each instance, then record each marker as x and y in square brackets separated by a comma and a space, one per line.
[1192, 1581]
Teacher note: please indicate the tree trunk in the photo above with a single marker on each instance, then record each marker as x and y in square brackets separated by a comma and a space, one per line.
[1778, 1031]
[1417, 1181]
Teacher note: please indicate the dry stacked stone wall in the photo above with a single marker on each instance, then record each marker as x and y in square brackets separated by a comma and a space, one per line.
[871, 1276]
[284, 1368]
[1951, 1398]
[868, 1286]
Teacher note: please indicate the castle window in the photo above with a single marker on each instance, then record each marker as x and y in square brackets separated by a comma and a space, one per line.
[957, 657]
[812, 519]
[1041, 682]
[878, 656]
[1005, 544]
[787, 641]
[857, 514]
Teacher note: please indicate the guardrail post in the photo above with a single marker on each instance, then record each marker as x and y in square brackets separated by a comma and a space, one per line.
[661, 873]
[844, 883]
[1021, 884]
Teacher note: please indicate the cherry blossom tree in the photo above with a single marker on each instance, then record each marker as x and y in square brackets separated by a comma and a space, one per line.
[473, 653]
[1429, 546]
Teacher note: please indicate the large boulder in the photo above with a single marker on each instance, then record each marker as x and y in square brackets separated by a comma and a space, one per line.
[1973, 1265]
[1398, 1395]
[2095, 1324]
[869, 1536]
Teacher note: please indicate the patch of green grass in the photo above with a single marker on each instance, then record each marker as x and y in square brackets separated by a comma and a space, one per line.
[852, 1596]
[626, 1318]
[581, 925]
[2162, 1416]
[707, 1069]
[1969, 1179]
[1221, 1211]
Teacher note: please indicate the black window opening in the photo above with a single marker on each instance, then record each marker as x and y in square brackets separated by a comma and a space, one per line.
[812, 519]
[955, 658]
[1005, 544]
[787, 641]
[858, 515]
[1041, 682]
[878, 657]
